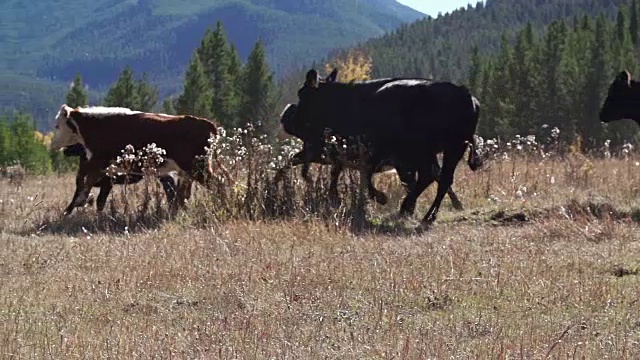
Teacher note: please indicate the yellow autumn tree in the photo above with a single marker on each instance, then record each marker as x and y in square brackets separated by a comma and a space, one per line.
[355, 65]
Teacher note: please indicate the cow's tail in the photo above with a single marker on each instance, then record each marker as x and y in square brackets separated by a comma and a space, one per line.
[475, 160]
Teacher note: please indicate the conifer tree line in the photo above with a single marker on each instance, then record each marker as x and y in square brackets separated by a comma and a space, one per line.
[559, 79]
[219, 86]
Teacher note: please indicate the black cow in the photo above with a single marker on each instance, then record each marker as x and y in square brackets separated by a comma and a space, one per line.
[106, 183]
[410, 121]
[622, 100]
[316, 150]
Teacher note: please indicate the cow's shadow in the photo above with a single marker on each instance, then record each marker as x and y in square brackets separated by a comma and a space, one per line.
[391, 225]
[87, 222]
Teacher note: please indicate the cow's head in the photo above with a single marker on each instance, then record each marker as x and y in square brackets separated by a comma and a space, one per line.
[288, 121]
[67, 132]
[311, 101]
[623, 100]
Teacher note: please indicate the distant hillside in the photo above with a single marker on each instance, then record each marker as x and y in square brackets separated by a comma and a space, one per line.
[47, 42]
[442, 47]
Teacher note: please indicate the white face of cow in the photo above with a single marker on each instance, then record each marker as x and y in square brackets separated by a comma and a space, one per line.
[67, 131]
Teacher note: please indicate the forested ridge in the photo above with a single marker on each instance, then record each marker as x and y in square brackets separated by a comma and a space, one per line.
[441, 47]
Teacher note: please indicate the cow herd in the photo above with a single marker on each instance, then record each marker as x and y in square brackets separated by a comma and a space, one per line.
[399, 123]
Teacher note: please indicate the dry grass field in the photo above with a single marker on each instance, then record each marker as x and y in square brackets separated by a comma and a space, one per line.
[542, 263]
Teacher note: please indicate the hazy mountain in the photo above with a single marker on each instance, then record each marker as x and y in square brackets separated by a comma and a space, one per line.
[47, 41]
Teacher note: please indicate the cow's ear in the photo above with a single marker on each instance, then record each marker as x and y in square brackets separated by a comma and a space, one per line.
[624, 77]
[311, 79]
[333, 76]
[72, 126]
[66, 110]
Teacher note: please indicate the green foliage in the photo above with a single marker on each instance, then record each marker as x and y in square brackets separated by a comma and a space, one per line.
[258, 91]
[124, 92]
[219, 87]
[196, 98]
[169, 106]
[136, 95]
[6, 156]
[147, 94]
[18, 143]
[77, 95]
[221, 71]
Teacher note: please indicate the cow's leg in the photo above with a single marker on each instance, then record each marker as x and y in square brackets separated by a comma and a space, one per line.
[79, 182]
[105, 189]
[295, 160]
[425, 178]
[407, 178]
[336, 170]
[184, 190]
[370, 168]
[90, 180]
[451, 157]
[312, 153]
[182, 195]
[435, 173]
[170, 188]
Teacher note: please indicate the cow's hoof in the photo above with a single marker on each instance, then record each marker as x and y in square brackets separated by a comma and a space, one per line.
[457, 205]
[90, 200]
[428, 222]
[424, 227]
[404, 214]
[381, 198]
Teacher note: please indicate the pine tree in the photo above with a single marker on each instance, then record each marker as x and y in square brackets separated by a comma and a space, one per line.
[124, 93]
[215, 54]
[501, 89]
[77, 95]
[572, 80]
[552, 93]
[5, 141]
[169, 106]
[235, 85]
[634, 24]
[147, 94]
[196, 97]
[259, 93]
[597, 79]
[475, 71]
[487, 125]
[525, 83]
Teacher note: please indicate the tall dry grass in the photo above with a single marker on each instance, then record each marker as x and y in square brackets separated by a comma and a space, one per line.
[542, 262]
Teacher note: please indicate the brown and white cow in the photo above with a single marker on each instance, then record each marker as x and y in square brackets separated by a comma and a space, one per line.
[105, 131]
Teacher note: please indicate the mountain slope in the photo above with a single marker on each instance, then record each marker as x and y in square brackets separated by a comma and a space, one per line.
[49, 41]
[54, 38]
[442, 47]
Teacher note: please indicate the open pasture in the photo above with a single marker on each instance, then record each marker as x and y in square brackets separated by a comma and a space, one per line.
[543, 262]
